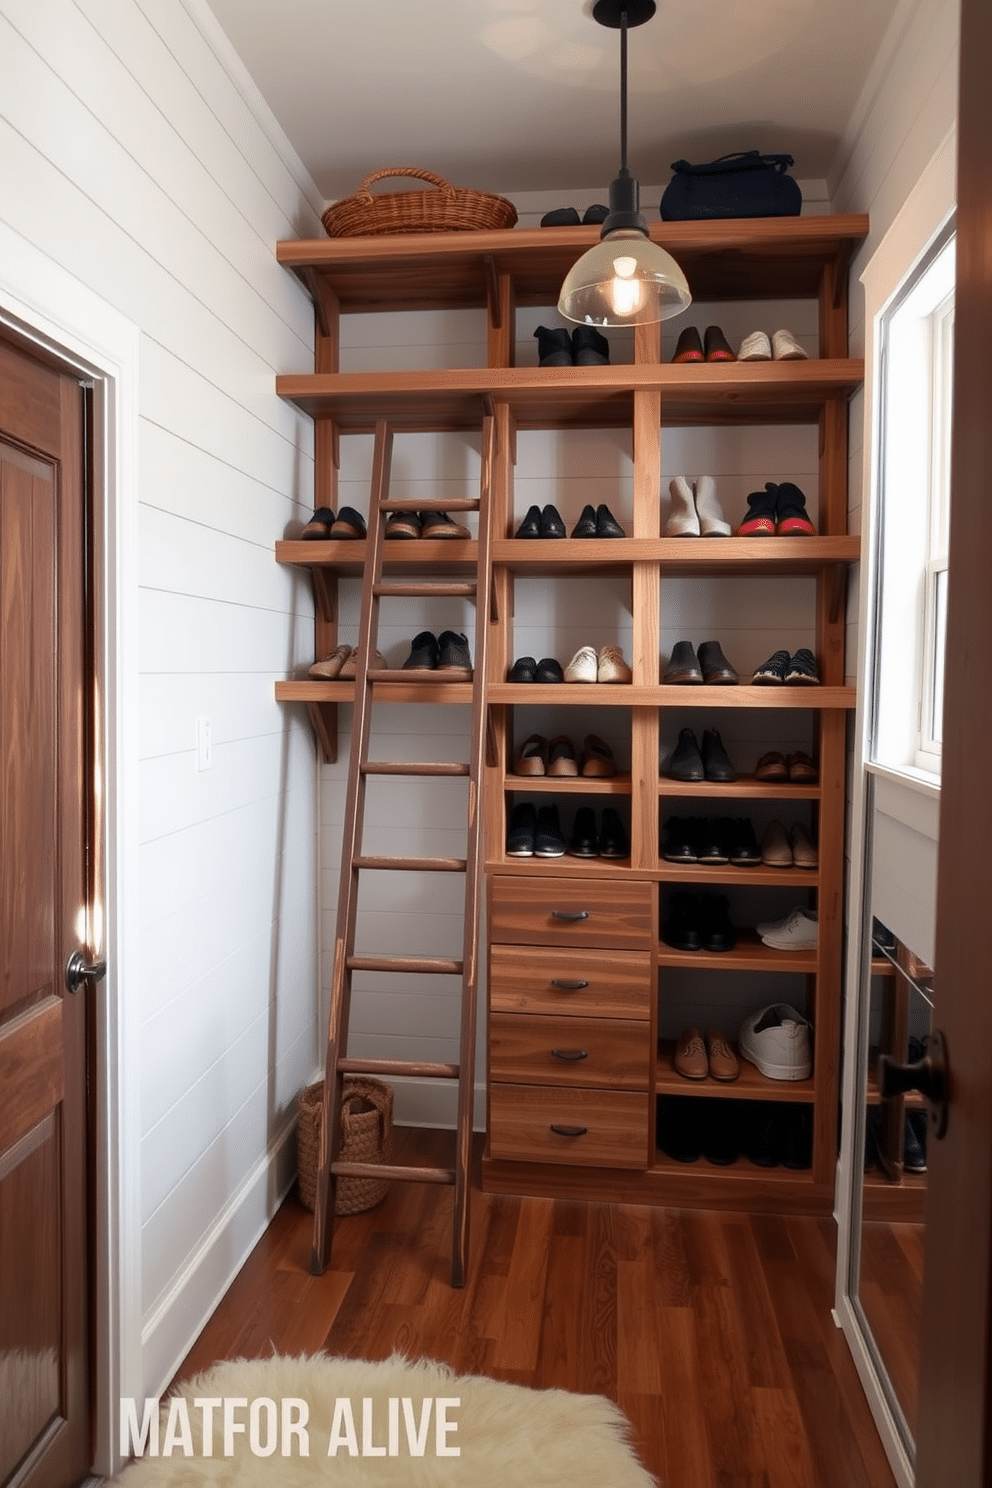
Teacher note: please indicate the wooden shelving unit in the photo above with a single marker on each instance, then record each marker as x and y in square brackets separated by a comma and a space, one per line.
[598, 920]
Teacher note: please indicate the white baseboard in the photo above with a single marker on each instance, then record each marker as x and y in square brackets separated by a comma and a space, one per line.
[180, 1315]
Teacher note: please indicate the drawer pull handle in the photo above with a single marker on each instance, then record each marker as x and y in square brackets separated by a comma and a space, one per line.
[568, 986]
[572, 1055]
[569, 1131]
[569, 914]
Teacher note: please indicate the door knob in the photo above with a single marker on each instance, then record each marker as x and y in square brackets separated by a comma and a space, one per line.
[77, 972]
[927, 1075]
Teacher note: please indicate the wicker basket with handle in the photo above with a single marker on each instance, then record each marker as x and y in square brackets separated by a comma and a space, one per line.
[448, 209]
[367, 1136]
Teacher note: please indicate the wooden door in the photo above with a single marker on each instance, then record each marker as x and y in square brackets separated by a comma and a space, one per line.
[44, 1324]
[953, 1432]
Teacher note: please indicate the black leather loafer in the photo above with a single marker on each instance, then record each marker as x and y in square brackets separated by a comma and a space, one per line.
[717, 764]
[531, 524]
[548, 670]
[585, 841]
[686, 762]
[586, 525]
[607, 524]
[551, 522]
[681, 925]
[613, 839]
[520, 834]
[523, 669]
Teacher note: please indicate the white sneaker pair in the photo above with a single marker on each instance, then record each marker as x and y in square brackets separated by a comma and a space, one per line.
[695, 512]
[776, 1041]
[796, 931]
[607, 666]
[783, 347]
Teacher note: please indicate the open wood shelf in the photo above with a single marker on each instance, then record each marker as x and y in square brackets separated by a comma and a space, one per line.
[693, 875]
[677, 555]
[744, 788]
[630, 695]
[749, 954]
[420, 555]
[579, 785]
[751, 1084]
[311, 691]
[564, 397]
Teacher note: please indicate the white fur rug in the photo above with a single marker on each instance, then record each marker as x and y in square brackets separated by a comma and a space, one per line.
[397, 1422]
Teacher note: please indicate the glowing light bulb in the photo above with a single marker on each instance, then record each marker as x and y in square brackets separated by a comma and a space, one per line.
[626, 292]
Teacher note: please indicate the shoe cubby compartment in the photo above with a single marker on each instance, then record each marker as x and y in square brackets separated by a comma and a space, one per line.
[572, 437]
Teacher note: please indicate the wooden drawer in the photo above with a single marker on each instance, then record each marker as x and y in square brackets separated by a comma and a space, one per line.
[571, 912]
[567, 983]
[532, 1050]
[596, 1128]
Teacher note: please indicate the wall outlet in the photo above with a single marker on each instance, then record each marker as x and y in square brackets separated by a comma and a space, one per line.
[204, 744]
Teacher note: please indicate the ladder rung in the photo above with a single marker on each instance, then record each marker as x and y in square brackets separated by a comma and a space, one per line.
[421, 1068]
[422, 767]
[425, 865]
[409, 591]
[457, 503]
[438, 964]
[401, 1172]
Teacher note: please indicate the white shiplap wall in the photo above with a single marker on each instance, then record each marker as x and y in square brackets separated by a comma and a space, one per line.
[137, 160]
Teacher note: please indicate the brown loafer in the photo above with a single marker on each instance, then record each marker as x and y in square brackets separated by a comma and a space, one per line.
[775, 849]
[802, 770]
[561, 756]
[772, 766]
[597, 757]
[532, 756]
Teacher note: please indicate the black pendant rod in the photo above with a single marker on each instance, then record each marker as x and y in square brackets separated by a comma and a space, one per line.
[623, 91]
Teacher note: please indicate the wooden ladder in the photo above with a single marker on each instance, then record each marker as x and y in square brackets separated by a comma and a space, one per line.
[353, 861]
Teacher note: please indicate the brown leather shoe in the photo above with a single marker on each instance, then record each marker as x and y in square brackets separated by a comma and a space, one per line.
[690, 1055]
[561, 756]
[597, 757]
[775, 849]
[804, 853]
[532, 756]
[801, 768]
[723, 1061]
[772, 766]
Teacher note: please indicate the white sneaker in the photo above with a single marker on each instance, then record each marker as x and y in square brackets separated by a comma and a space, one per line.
[785, 347]
[583, 666]
[797, 932]
[712, 522]
[776, 1041]
[755, 348]
[683, 520]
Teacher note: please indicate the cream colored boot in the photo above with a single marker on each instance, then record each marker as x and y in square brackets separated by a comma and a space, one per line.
[682, 519]
[708, 509]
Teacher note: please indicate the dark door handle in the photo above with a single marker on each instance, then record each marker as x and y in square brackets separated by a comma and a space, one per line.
[569, 914]
[566, 986]
[569, 1131]
[927, 1075]
[569, 1054]
[77, 972]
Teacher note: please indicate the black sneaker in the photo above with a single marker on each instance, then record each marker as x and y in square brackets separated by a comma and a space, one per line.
[523, 669]
[717, 764]
[585, 840]
[914, 1156]
[801, 670]
[597, 213]
[686, 762]
[437, 524]
[561, 217]
[613, 839]
[403, 524]
[453, 653]
[589, 347]
[549, 670]
[773, 670]
[318, 529]
[586, 525]
[548, 839]
[521, 831]
[607, 524]
[554, 347]
[424, 652]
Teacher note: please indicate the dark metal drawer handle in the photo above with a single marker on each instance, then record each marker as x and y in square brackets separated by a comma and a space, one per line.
[572, 1055]
[569, 914]
[569, 1131]
[567, 986]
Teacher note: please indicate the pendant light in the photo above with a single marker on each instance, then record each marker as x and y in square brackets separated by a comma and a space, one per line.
[626, 279]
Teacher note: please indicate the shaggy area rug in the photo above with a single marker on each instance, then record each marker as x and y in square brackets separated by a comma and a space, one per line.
[316, 1420]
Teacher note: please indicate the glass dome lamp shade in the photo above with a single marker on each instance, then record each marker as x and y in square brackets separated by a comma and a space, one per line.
[625, 280]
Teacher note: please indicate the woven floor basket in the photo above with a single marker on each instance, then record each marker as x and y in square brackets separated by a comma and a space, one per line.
[367, 1136]
[448, 209]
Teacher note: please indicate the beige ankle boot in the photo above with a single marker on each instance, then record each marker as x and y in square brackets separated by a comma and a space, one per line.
[682, 519]
[708, 509]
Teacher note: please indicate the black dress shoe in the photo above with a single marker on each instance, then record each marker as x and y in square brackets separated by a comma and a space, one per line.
[714, 849]
[586, 525]
[763, 1139]
[424, 651]
[585, 842]
[597, 213]
[453, 654]
[722, 1132]
[680, 841]
[716, 669]
[549, 670]
[551, 522]
[531, 524]
[681, 926]
[684, 665]
[679, 1130]
[613, 839]
[589, 347]
[520, 833]
[554, 347]
[686, 762]
[523, 669]
[548, 839]
[607, 524]
[716, 931]
[717, 765]
[744, 849]
[561, 217]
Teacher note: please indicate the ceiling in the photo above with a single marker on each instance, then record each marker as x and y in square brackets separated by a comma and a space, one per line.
[522, 95]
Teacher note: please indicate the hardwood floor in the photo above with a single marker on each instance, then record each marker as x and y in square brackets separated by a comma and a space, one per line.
[712, 1331]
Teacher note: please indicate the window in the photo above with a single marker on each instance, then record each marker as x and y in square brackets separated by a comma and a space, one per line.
[917, 354]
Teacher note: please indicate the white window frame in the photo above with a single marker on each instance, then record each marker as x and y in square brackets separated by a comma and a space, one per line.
[941, 338]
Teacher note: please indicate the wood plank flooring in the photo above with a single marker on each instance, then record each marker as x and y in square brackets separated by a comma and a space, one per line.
[712, 1331]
